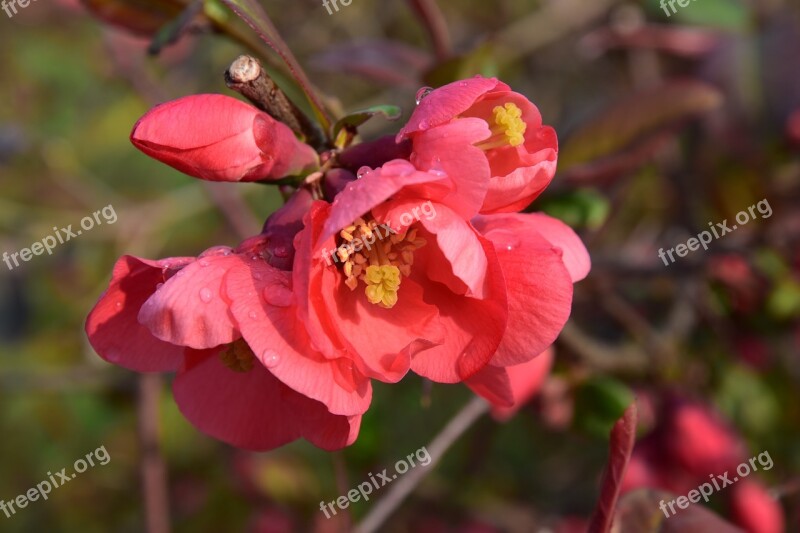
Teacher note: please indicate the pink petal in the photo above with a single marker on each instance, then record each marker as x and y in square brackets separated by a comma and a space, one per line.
[112, 326]
[574, 254]
[445, 103]
[261, 303]
[473, 327]
[459, 243]
[449, 148]
[189, 309]
[372, 189]
[254, 410]
[538, 284]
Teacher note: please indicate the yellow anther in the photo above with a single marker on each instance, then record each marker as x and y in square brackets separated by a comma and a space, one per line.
[508, 128]
[509, 117]
[238, 357]
[381, 261]
[383, 283]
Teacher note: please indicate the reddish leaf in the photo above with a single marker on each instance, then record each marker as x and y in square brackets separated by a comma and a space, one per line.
[141, 17]
[623, 437]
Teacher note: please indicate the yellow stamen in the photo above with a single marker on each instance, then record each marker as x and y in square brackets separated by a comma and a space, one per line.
[383, 282]
[378, 258]
[238, 357]
[509, 128]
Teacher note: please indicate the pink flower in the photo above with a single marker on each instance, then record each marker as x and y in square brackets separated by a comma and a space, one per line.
[218, 138]
[434, 293]
[508, 141]
[248, 373]
[754, 509]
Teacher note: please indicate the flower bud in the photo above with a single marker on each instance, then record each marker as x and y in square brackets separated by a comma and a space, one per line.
[218, 138]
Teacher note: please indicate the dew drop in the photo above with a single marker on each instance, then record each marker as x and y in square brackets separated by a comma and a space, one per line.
[113, 355]
[270, 358]
[118, 305]
[257, 275]
[280, 251]
[158, 286]
[215, 251]
[277, 295]
[205, 294]
[180, 273]
[204, 263]
[423, 124]
[253, 315]
[422, 93]
[363, 171]
[504, 240]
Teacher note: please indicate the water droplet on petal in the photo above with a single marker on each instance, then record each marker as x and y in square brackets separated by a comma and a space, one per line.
[158, 286]
[216, 251]
[113, 355]
[257, 275]
[422, 93]
[253, 315]
[423, 124]
[363, 171]
[270, 358]
[504, 240]
[205, 294]
[204, 263]
[277, 295]
[463, 84]
[280, 251]
[180, 273]
[118, 305]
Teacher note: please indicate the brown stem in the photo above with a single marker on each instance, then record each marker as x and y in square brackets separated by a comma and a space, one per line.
[436, 450]
[153, 470]
[247, 77]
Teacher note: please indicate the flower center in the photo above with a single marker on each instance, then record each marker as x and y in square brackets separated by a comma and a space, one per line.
[508, 129]
[377, 256]
[238, 356]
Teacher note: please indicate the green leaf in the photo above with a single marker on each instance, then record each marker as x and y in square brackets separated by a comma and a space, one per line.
[726, 14]
[599, 403]
[579, 208]
[355, 119]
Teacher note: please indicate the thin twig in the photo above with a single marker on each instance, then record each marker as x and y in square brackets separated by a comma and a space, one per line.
[436, 449]
[153, 471]
[247, 77]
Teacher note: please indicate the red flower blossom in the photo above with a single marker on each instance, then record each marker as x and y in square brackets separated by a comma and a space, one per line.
[247, 371]
[507, 140]
[442, 295]
[218, 138]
